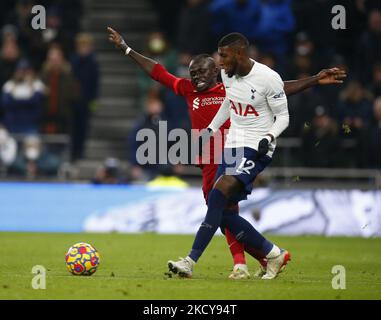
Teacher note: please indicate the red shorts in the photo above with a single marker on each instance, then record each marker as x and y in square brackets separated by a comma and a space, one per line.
[208, 173]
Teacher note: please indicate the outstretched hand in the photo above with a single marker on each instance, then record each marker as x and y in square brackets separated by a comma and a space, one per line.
[331, 76]
[117, 39]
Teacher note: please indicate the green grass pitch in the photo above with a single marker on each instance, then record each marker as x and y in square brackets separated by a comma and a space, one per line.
[133, 267]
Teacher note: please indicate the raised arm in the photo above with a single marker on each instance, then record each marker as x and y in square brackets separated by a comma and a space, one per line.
[324, 77]
[154, 69]
[145, 63]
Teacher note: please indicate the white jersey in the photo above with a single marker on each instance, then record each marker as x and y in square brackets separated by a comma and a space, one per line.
[256, 105]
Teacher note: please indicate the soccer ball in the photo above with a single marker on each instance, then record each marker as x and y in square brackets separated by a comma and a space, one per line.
[82, 259]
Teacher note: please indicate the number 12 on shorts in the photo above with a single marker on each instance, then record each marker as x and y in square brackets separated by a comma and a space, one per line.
[245, 169]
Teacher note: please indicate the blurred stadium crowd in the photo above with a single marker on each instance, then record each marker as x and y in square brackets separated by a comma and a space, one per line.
[50, 78]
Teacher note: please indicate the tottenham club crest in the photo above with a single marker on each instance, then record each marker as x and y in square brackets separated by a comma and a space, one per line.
[252, 94]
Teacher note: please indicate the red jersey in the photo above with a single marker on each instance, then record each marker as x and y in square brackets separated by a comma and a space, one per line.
[202, 106]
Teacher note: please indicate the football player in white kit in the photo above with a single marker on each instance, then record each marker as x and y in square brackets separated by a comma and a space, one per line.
[257, 107]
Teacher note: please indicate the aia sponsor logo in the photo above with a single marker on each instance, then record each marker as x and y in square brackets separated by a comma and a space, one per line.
[243, 110]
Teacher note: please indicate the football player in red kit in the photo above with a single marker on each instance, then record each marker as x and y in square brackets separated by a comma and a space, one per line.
[204, 96]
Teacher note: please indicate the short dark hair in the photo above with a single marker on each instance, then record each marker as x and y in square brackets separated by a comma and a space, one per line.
[233, 38]
[202, 56]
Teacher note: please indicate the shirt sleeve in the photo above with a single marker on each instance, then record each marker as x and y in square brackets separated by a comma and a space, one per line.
[222, 115]
[277, 101]
[160, 74]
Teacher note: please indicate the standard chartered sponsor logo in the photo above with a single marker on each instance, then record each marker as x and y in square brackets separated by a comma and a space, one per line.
[211, 100]
[207, 102]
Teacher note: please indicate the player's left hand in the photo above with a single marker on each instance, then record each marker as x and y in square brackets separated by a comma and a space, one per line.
[331, 76]
[263, 148]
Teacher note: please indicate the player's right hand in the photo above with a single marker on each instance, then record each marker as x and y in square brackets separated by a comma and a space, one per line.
[331, 76]
[117, 39]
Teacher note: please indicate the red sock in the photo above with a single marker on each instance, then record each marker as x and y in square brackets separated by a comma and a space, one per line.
[236, 248]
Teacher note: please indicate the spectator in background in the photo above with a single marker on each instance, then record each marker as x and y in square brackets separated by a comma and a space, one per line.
[369, 47]
[21, 20]
[168, 12]
[304, 59]
[355, 114]
[315, 18]
[374, 139]
[63, 91]
[31, 41]
[356, 18]
[9, 32]
[85, 69]
[168, 176]
[149, 120]
[331, 94]
[109, 173]
[375, 87]
[6, 7]
[276, 24]
[62, 23]
[320, 144]
[10, 55]
[54, 32]
[8, 148]
[302, 109]
[267, 59]
[241, 16]
[193, 35]
[355, 106]
[71, 12]
[159, 49]
[34, 159]
[267, 23]
[22, 99]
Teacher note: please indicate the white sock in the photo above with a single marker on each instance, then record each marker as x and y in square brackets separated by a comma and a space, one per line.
[190, 260]
[275, 251]
[241, 266]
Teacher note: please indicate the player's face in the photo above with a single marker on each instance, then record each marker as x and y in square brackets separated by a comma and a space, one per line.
[203, 74]
[228, 60]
